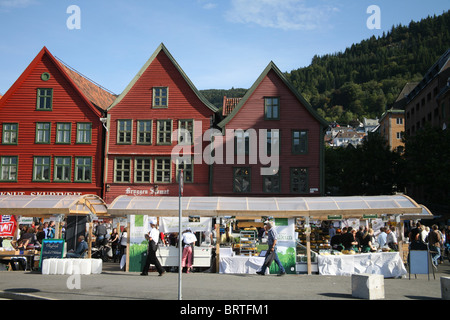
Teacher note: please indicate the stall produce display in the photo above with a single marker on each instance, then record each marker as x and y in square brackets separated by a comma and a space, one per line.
[247, 243]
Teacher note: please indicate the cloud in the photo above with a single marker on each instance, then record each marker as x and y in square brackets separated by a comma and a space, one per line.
[16, 3]
[207, 4]
[280, 14]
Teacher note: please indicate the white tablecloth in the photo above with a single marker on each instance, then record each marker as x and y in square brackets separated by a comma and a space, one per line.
[389, 264]
[241, 264]
[72, 266]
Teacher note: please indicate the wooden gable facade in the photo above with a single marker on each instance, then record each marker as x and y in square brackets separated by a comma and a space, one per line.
[51, 132]
[141, 125]
[271, 104]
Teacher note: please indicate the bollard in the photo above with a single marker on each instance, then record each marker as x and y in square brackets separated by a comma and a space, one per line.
[368, 286]
[445, 288]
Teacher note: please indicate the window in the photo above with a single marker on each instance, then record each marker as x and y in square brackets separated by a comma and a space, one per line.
[399, 120]
[272, 183]
[399, 135]
[188, 174]
[8, 168]
[241, 142]
[41, 169]
[273, 139]
[63, 169]
[160, 97]
[63, 133]
[122, 169]
[43, 132]
[143, 170]
[44, 99]
[299, 142]
[271, 108]
[241, 180]
[186, 132]
[83, 169]
[124, 131]
[144, 132]
[164, 132]
[163, 170]
[10, 133]
[299, 180]
[84, 131]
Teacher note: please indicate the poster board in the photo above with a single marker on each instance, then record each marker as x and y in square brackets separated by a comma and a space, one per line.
[51, 248]
[286, 245]
[419, 262]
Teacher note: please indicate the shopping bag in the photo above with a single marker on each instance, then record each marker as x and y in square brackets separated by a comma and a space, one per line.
[269, 259]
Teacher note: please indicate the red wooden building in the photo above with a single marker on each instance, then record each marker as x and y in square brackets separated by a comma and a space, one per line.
[51, 132]
[140, 139]
[271, 118]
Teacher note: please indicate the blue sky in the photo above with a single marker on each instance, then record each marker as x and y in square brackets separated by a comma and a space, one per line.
[218, 43]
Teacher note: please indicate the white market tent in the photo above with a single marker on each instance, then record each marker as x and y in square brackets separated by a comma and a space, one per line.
[322, 208]
[47, 205]
[289, 207]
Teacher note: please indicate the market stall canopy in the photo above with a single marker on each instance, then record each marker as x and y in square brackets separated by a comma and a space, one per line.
[39, 205]
[314, 207]
[425, 214]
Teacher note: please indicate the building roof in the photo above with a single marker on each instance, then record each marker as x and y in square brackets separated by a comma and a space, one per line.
[391, 111]
[82, 91]
[177, 66]
[98, 95]
[229, 104]
[272, 67]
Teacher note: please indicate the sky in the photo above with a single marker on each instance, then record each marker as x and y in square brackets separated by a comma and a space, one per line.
[219, 44]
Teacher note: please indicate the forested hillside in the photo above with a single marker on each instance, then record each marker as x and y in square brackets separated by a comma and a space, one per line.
[366, 78]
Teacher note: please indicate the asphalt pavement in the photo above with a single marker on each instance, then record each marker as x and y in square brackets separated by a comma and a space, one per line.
[115, 284]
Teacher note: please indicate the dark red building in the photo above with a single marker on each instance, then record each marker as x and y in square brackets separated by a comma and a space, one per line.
[51, 131]
[141, 139]
[271, 118]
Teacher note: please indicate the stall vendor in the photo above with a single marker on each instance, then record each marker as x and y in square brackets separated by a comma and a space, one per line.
[189, 240]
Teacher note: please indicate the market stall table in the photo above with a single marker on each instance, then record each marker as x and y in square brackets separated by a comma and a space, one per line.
[389, 264]
[241, 264]
[28, 256]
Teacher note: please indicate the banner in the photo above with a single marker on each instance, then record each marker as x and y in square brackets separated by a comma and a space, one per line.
[286, 245]
[7, 226]
[168, 224]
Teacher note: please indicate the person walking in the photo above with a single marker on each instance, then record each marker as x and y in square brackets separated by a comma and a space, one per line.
[434, 243]
[153, 238]
[272, 248]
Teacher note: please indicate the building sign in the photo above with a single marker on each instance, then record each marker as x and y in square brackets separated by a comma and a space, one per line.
[39, 193]
[7, 226]
[146, 192]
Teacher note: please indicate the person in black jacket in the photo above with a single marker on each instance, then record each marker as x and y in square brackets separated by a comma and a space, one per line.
[336, 241]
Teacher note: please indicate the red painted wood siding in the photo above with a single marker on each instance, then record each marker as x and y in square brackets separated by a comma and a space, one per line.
[68, 106]
[183, 103]
[293, 116]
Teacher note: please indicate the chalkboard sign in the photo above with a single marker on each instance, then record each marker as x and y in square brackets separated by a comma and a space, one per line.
[51, 248]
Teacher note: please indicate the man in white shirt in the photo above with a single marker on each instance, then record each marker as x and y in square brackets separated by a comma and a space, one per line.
[189, 240]
[153, 238]
[391, 238]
